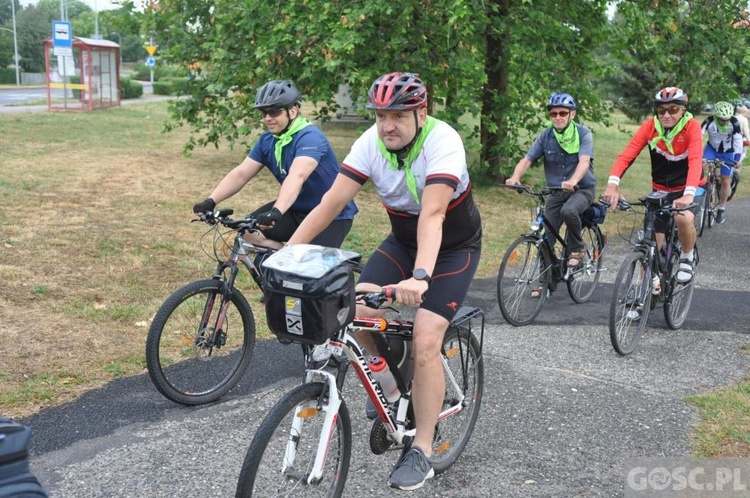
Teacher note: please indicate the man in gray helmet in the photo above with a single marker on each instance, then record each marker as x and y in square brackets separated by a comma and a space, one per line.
[299, 156]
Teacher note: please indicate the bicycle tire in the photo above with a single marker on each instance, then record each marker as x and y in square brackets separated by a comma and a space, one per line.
[677, 303]
[262, 475]
[181, 368]
[630, 285]
[582, 281]
[714, 193]
[452, 434]
[705, 210]
[523, 269]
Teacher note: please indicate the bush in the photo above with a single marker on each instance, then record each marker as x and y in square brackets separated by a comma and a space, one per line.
[130, 89]
[76, 80]
[8, 76]
[171, 86]
[161, 71]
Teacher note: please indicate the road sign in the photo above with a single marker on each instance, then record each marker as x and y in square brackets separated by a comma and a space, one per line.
[151, 49]
[150, 61]
[62, 38]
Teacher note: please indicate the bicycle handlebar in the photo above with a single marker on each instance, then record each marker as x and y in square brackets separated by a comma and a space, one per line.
[539, 193]
[222, 216]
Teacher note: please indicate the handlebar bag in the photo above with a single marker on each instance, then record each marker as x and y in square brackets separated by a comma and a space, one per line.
[594, 215]
[309, 292]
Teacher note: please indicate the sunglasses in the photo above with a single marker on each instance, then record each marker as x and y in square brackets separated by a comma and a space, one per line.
[672, 110]
[562, 114]
[274, 113]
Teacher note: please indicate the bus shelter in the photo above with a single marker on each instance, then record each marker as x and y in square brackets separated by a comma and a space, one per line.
[87, 80]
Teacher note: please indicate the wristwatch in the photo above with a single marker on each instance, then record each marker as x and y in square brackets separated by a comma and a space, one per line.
[421, 274]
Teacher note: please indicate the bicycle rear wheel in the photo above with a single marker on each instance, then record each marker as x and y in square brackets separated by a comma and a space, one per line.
[582, 280]
[463, 359]
[282, 453]
[191, 362]
[631, 304]
[524, 269]
[677, 303]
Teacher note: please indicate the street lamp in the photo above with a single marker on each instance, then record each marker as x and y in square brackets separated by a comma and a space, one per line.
[16, 58]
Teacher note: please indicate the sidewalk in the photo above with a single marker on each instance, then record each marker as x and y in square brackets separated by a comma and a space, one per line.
[18, 109]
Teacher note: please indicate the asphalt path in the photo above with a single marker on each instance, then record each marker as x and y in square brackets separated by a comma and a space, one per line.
[561, 414]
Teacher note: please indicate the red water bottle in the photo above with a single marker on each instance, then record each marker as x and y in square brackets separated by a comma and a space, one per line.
[383, 375]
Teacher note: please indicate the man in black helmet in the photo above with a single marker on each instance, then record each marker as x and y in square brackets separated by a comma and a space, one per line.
[298, 154]
[417, 165]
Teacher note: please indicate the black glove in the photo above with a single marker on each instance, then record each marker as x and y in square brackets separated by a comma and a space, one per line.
[206, 206]
[269, 217]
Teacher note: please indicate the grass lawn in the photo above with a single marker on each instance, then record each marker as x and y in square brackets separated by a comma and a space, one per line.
[96, 233]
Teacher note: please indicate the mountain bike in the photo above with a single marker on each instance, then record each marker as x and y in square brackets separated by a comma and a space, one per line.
[532, 267]
[303, 446]
[712, 170]
[636, 293]
[201, 340]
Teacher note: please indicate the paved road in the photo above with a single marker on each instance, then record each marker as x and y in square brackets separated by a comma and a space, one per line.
[561, 412]
[13, 100]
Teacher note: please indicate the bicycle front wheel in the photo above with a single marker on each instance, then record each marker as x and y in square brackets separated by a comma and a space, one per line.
[464, 385]
[582, 280]
[631, 304]
[281, 456]
[713, 192]
[677, 303]
[200, 343]
[522, 281]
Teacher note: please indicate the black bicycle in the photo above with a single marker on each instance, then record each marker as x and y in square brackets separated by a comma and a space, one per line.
[711, 195]
[532, 267]
[201, 340]
[637, 290]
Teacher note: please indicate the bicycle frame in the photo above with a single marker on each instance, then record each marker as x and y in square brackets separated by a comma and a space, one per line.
[345, 351]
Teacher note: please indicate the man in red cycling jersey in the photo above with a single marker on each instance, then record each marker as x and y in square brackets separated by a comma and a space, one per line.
[675, 143]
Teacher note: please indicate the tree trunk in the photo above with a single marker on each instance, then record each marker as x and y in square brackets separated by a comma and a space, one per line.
[496, 88]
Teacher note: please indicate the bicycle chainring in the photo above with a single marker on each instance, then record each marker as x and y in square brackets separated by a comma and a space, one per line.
[379, 440]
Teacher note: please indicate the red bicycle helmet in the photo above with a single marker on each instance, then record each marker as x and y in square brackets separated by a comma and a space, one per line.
[397, 92]
[669, 95]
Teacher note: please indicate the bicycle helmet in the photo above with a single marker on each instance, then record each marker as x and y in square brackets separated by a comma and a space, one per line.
[671, 94]
[562, 100]
[397, 92]
[278, 93]
[723, 110]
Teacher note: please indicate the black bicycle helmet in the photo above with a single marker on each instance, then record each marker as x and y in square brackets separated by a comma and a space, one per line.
[281, 94]
[562, 100]
[397, 92]
[671, 94]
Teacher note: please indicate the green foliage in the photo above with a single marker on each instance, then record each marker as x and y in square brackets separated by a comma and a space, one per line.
[690, 44]
[130, 89]
[171, 86]
[7, 76]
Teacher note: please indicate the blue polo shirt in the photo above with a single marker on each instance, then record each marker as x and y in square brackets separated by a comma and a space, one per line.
[308, 142]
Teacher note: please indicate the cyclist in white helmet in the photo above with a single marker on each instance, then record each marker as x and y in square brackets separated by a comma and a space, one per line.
[724, 142]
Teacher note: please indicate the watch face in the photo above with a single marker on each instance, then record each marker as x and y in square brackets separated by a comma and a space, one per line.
[421, 274]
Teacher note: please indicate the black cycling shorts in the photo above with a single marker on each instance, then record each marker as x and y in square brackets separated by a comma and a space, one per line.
[662, 219]
[454, 270]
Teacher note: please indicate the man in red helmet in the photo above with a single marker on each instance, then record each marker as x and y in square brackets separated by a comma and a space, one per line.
[418, 167]
[675, 141]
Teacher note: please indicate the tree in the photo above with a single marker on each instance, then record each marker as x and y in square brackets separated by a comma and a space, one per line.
[691, 44]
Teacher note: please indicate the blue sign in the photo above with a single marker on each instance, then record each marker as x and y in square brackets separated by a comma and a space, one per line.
[150, 61]
[62, 34]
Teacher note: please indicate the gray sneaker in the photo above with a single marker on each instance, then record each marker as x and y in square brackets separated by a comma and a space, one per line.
[411, 470]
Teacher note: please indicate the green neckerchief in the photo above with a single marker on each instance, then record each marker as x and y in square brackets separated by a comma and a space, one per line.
[285, 138]
[396, 163]
[720, 128]
[568, 139]
[672, 133]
